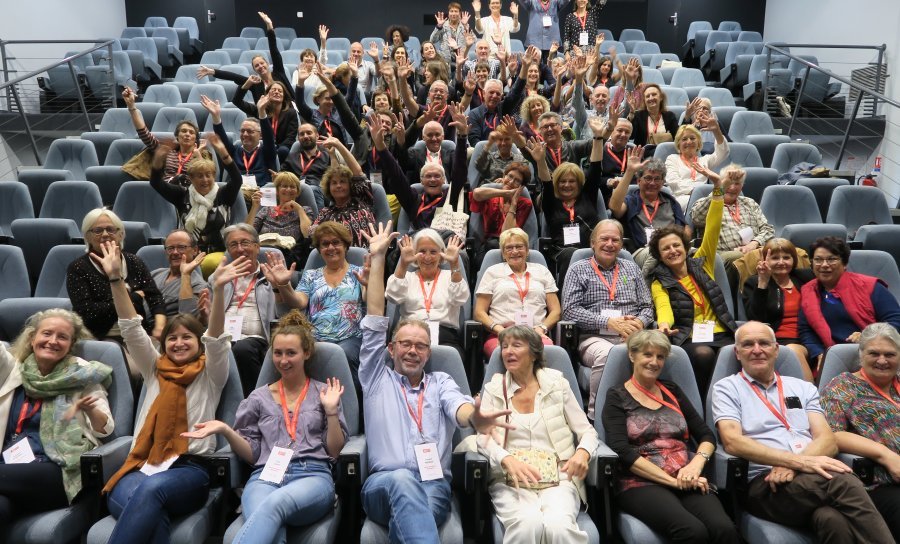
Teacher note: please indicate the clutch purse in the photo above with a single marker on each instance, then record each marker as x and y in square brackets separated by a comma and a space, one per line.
[546, 462]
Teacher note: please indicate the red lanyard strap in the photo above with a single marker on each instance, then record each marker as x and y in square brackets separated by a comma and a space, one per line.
[895, 382]
[246, 293]
[656, 126]
[305, 166]
[689, 164]
[615, 279]
[647, 214]
[780, 415]
[522, 292]
[327, 126]
[582, 20]
[556, 156]
[571, 210]
[248, 162]
[25, 414]
[290, 423]
[430, 296]
[674, 405]
[417, 417]
[699, 299]
[274, 124]
[735, 212]
[423, 207]
[183, 160]
[621, 162]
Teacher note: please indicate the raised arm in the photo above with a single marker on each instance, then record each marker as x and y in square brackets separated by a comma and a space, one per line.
[379, 240]
[617, 199]
[335, 144]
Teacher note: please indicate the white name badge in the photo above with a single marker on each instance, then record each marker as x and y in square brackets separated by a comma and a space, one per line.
[571, 235]
[150, 470]
[434, 330]
[429, 462]
[703, 331]
[798, 442]
[234, 324]
[746, 235]
[582, 39]
[524, 317]
[277, 465]
[18, 453]
[648, 233]
[268, 197]
[249, 180]
[376, 177]
[547, 21]
[610, 313]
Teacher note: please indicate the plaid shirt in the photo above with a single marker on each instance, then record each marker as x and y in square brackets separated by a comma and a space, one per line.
[585, 296]
[750, 214]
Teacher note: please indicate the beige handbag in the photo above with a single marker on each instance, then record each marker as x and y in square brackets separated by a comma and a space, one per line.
[447, 218]
[545, 461]
[659, 137]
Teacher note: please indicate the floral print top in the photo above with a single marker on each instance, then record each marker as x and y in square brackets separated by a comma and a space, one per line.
[335, 312]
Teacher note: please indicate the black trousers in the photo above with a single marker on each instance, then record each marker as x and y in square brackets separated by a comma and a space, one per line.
[887, 501]
[30, 488]
[680, 516]
[249, 354]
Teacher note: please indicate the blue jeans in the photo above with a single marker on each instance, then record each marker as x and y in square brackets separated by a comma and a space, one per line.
[142, 505]
[304, 496]
[413, 510]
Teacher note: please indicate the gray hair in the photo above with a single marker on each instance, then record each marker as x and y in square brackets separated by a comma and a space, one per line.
[550, 115]
[535, 343]
[876, 331]
[429, 234]
[244, 227]
[432, 166]
[92, 216]
[413, 322]
[737, 333]
[649, 338]
[653, 165]
[605, 222]
[494, 81]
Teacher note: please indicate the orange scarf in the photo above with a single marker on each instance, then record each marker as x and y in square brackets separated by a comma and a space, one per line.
[160, 437]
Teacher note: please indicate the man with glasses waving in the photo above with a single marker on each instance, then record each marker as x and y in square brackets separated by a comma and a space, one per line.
[182, 282]
[410, 417]
[250, 306]
[607, 297]
[777, 423]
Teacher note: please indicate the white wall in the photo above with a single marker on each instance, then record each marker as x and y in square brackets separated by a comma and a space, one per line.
[860, 22]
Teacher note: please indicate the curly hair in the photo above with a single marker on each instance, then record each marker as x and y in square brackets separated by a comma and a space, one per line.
[338, 170]
[525, 108]
[520, 168]
[659, 234]
[402, 29]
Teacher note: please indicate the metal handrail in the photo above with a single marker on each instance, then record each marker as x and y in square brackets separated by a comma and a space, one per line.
[10, 85]
[777, 48]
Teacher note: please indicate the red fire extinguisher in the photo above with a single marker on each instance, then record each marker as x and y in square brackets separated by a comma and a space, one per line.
[871, 179]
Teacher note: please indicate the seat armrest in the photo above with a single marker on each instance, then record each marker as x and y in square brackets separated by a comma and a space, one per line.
[601, 467]
[567, 338]
[470, 472]
[473, 346]
[862, 466]
[352, 463]
[726, 73]
[544, 244]
[218, 466]
[600, 480]
[100, 463]
[730, 472]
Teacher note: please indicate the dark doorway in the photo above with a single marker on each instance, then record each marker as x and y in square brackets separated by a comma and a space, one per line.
[220, 23]
[663, 25]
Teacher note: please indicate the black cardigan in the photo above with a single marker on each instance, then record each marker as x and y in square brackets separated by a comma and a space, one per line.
[639, 125]
[767, 305]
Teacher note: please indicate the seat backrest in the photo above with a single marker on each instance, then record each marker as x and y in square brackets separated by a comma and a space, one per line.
[121, 151]
[162, 94]
[802, 235]
[788, 155]
[729, 26]
[857, 205]
[252, 32]
[147, 47]
[618, 370]
[631, 34]
[15, 203]
[212, 91]
[232, 118]
[247, 56]
[52, 281]
[879, 264]
[744, 155]
[555, 357]
[263, 43]
[881, 237]
[188, 72]
[285, 33]
[839, 358]
[718, 96]
[495, 256]
[137, 201]
[71, 200]
[696, 26]
[652, 75]
[216, 57]
[736, 49]
[133, 32]
[36, 236]
[750, 36]
[190, 24]
[170, 35]
[716, 36]
[12, 272]
[788, 204]
[688, 77]
[675, 96]
[355, 255]
[757, 180]
[102, 141]
[607, 44]
[154, 257]
[382, 208]
[823, 189]
[168, 118]
[750, 122]
[339, 44]
[137, 235]
[301, 43]
[72, 155]
[645, 48]
[663, 150]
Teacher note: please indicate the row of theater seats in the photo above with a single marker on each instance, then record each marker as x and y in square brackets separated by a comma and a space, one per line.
[470, 516]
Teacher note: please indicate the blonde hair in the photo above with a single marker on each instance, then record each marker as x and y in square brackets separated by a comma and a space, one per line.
[514, 232]
[681, 134]
[286, 178]
[21, 347]
[567, 168]
[525, 108]
[732, 174]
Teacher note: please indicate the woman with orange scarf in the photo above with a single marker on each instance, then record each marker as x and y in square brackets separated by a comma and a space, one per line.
[160, 477]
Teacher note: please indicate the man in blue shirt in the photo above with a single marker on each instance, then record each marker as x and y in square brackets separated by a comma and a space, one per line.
[410, 417]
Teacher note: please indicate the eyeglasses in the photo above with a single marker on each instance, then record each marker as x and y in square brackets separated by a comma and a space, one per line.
[548, 126]
[517, 247]
[330, 243]
[653, 179]
[418, 346]
[179, 248]
[243, 244]
[98, 231]
[826, 260]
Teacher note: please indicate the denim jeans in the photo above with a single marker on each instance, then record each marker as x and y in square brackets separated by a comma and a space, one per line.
[413, 510]
[305, 495]
[142, 505]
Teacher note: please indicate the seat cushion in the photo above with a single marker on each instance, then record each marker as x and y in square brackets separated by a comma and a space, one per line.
[584, 521]
[449, 533]
[62, 525]
[323, 531]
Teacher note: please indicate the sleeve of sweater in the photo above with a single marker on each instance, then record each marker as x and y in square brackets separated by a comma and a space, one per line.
[615, 421]
[886, 307]
[169, 191]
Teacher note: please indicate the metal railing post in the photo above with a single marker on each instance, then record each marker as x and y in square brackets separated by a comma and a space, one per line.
[878, 78]
[112, 77]
[15, 93]
[798, 102]
[765, 104]
[5, 70]
[846, 138]
[80, 96]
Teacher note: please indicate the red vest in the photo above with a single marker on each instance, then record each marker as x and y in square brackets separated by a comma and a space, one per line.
[855, 292]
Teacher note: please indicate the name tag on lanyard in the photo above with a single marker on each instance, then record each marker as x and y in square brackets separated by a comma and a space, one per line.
[276, 465]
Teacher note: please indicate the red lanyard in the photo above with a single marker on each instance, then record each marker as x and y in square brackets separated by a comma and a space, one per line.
[247, 163]
[887, 396]
[536, 135]
[416, 418]
[582, 20]
[776, 413]
[686, 163]
[488, 123]
[274, 125]
[698, 300]
[649, 215]
[375, 157]
[571, 210]
[423, 206]
[291, 422]
[611, 288]
[306, 166]
[480, 94]
[546, 5]
[436, 158]
[522, 292]
[327, 126]
[735, 213]
[246, 293]
[430, 296]
[183, 161]
[621, 162]
[665, 391]
[25, 414]
[656, 126]
[557, 157]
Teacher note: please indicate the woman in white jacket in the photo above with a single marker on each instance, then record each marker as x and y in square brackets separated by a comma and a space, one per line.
[538, 469]
[686, 169]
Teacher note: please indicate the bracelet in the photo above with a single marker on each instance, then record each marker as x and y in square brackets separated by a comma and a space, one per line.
[330, 415]
[114, 280]
[703, 455]
[132, 109]
[718, 192]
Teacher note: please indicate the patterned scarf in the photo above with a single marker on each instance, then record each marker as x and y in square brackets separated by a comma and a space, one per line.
[160, 437]
[63, 439]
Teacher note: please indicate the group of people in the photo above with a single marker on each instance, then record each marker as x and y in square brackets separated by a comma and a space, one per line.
[548, 136]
